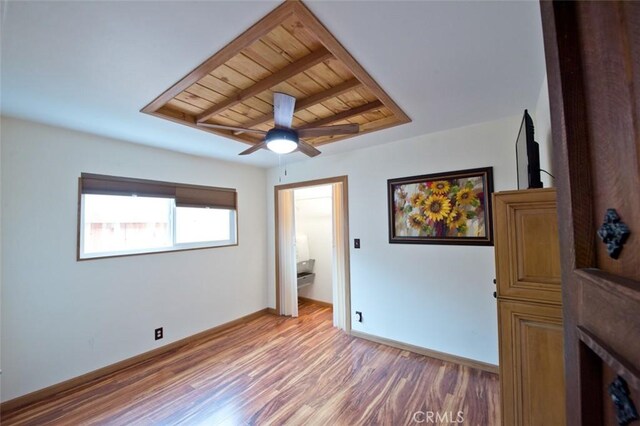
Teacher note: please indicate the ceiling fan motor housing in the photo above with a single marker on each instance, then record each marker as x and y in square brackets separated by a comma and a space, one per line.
[282, 134]
[282, 140]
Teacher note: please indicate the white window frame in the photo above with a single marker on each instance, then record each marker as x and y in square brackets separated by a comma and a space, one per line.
[232, 241]
[233, 232]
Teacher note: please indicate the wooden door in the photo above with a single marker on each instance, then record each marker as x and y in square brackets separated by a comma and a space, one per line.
[531, 382]
[530, 328]
[527, 247]
[593, 65]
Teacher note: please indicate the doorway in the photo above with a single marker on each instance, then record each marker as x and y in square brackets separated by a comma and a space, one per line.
[314, 244]
[312, 256]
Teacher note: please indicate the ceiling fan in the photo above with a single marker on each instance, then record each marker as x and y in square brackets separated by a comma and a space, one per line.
[284, 139]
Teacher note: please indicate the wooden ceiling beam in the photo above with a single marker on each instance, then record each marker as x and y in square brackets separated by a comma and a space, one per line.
[273, 41]
[344, 114]
[310, 101]
[266, 24]
[285, 73]
[315, 27]
[189, 120]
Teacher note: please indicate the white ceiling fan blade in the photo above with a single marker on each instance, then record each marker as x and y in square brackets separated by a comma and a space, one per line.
[233, 128]
[307, 149]
[254, 148]
[283, 106]
[339, 129]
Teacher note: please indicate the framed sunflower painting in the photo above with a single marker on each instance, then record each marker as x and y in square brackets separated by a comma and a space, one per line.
[442, 208]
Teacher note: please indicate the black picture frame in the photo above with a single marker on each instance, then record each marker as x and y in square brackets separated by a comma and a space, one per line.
[442, 208]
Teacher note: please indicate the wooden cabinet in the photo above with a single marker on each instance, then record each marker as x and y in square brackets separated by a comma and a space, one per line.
[529, 307]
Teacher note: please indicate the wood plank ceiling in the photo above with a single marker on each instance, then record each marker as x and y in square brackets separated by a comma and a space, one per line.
[288, 51]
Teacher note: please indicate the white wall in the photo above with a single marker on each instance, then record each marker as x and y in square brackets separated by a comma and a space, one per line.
[542, 124]
[1, 309]
[314, 219]
[62, 318]
[434, 296]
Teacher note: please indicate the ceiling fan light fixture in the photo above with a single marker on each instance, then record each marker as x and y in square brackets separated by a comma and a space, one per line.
[282, 141]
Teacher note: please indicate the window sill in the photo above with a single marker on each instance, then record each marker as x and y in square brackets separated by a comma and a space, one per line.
[154, 251]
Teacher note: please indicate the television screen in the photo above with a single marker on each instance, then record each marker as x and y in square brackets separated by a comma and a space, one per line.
[527, 155]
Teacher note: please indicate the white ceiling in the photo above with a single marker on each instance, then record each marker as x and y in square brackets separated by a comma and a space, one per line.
[92, 65]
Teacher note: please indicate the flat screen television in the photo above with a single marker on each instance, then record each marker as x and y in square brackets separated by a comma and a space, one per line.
[527, 156]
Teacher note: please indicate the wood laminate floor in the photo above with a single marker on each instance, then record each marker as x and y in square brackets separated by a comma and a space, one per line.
[275, 370]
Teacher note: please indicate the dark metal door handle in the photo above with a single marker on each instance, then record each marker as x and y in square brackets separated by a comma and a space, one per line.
[625, 410]
[614, 233]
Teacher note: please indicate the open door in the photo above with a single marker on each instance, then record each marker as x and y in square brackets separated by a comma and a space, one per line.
[286, 294]
[593, 66]
[286, 254]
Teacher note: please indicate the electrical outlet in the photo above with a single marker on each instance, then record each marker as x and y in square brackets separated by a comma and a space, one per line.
[158, 333]
[359, 315]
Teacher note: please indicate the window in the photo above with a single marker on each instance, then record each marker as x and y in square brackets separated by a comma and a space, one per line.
[123, 216]
[200, 225]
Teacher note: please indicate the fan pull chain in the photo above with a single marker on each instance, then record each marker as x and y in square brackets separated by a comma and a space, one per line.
[282, 167]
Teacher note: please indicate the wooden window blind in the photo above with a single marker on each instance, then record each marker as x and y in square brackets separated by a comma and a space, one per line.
[185, 195]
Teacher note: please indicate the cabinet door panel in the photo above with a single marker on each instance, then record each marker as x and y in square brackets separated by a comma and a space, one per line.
[527, 246]
[531, 364]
